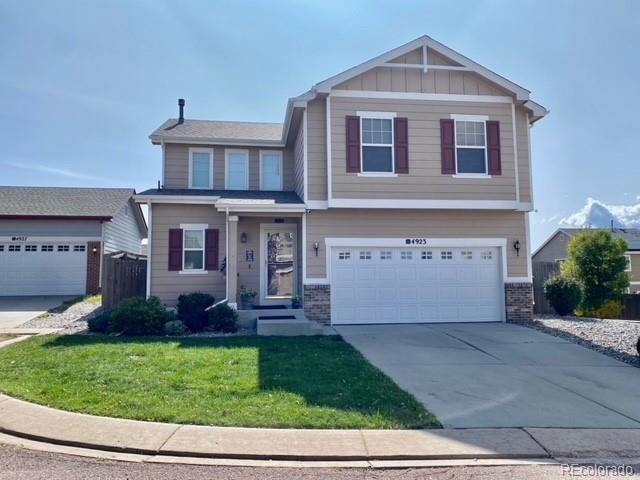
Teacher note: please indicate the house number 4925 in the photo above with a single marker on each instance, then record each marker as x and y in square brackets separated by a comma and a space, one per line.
[415, 241]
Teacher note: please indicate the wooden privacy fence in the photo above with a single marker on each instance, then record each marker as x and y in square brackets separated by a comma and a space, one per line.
[124, 275]
[631, 304]
[542, 271]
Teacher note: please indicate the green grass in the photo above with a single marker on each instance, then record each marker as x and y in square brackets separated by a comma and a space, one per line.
[303, 382]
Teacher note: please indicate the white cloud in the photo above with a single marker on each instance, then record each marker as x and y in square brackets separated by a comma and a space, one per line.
[34, 167]
[597, 214]
[549, 219]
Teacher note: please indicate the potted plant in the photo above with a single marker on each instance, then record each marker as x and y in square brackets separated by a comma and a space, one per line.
[247, 297]
[296, 301]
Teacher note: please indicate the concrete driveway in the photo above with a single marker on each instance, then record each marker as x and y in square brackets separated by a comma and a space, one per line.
[14, 311]
[502, 375]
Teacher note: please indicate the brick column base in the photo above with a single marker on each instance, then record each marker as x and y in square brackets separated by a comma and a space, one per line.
[317, 303]
[93, 268]
[519, 302]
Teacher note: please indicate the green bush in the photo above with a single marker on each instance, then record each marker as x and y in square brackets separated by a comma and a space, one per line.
[223, 318]
[175, 328]
[100, 322]
[191, 310]
[609, 309]
[137, 316]
[564, 294]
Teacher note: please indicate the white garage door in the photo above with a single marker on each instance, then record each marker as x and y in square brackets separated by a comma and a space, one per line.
[43, 269]
[415, 285]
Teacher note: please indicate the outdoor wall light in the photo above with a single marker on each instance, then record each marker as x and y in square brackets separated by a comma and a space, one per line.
[516, 245]
[316, 247]
[95, 250]
[243, 238]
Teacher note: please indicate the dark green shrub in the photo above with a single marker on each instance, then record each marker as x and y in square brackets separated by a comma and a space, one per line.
[564, 294]
[191, 310]
[223, 318]
[175, 328]
[137, 316]
[100, 322]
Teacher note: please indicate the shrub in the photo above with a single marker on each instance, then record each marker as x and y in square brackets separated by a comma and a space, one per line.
[137, 316]
[191, 310]
[100, 322]
[223, 318]
[563, 293]
[175, 328]
[610, 309]
[638, 346]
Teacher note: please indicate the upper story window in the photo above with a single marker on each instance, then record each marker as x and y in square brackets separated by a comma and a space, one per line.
[627, 263]
[201, 168]
[471, 144]
[377, 142]
[237, 169]
[270, 170]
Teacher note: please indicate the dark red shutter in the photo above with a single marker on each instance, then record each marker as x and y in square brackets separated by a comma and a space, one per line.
[493, 147]
[353, 144]
[401, 144]
[211, 249]
[175, 249]
[447, 146]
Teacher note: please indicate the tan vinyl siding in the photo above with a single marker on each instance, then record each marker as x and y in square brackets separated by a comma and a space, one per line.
[415, 223]
[634, 274]
[425, 180]
[317, 150]
[168, 285]
[522, 140]
[177, 165]
[298, 162]
[122, 232]
[555, 249]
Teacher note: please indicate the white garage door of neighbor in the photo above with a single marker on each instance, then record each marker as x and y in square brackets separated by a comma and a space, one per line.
[415, 285]
[43, 269]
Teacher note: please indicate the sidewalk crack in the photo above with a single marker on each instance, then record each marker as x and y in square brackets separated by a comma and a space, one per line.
[159, 450]
[364, 443]
[537, 442]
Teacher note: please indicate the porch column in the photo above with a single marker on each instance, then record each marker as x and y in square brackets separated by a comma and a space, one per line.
[232, 260]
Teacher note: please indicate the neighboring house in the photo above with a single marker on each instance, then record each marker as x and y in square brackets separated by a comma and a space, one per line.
[555, 250]
[51, 239]
[396, 191]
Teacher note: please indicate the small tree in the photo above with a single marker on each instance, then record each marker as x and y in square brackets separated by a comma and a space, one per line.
[596, 260]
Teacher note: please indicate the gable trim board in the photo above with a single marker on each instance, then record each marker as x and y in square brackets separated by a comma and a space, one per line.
[445, 97]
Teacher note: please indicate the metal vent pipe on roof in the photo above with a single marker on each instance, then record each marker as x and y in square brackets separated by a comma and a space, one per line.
[181, 107]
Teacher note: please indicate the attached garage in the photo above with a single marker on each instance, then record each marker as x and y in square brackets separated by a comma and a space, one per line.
[416, 284]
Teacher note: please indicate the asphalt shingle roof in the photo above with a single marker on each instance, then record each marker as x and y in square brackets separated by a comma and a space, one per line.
[208, 130]
[62, 201]
[631, 235]
[276, 196]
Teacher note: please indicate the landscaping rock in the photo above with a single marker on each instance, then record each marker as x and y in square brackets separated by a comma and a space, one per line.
[72, 320]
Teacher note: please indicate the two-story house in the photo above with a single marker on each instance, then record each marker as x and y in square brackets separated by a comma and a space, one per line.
[396, 191]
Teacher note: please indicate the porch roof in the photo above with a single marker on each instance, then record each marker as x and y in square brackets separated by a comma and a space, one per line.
[276, 197]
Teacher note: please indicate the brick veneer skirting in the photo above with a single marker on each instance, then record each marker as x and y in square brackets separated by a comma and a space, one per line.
[519, 302]
[93, 268]
[317, 303]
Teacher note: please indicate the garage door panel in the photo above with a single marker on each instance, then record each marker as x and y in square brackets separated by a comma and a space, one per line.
[447, 293]
[365, 294]
[407, 274]
[427, 274]
[386, 273]
[346, 273]
[364, 274]
[447, 274]
[409, 294]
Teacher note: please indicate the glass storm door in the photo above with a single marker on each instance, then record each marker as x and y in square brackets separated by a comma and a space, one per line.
[279, 277]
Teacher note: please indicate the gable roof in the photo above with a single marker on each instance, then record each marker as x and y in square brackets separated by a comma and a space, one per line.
[224, 132]
[631, 235]
[66, 203]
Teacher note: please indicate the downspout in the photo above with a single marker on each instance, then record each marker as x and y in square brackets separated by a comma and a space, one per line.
[226, 288]
[149, 240]
[101, 252]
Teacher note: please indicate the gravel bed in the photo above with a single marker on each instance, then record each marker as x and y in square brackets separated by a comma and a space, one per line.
[72, 320]
[615, 338]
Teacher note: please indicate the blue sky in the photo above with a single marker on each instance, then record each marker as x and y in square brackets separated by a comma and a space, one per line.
[82, 84]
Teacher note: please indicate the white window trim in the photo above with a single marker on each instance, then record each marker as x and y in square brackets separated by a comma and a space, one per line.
[193, 150]
[628, 257]
[377, 116]
[470, 118]
[271, 152]
[244, 151]
[193, 226]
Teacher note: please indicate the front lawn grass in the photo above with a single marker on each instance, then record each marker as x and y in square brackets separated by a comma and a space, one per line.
[297, 382]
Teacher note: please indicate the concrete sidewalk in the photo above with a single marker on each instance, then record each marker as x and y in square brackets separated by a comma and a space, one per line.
[27, 420]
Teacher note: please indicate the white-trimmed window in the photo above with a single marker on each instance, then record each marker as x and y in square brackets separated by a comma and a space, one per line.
[30, 248]
[426, 255]
[488, 255]
[201, 168]
[446, 255]
[365, 255]
[466, 254]
[344, 255]
[406, 255]
[236, 169]
[63, 248]
[14, 248]
[79, 248]
[376, 140]
[193, 249]
[385, 255]
[46, 248]
[270, 170]
[627, 265]
[471, 144]
[1, 248]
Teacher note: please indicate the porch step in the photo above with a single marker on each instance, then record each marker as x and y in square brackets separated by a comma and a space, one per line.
[287, 325]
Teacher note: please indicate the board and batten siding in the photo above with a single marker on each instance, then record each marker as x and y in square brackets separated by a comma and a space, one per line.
[122, 232]
[425, 179]
[317, 149]
[51, 228]
[415, 223]
[298, 162]
[177, 165]
[168, 285]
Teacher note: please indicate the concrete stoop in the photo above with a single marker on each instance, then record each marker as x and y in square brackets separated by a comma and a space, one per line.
[299, 325]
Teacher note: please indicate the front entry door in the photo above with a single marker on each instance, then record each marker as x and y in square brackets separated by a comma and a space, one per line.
[278, 254]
